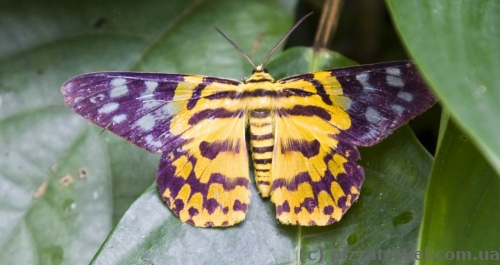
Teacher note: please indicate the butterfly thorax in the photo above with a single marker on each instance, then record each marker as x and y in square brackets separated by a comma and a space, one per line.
[259, 90]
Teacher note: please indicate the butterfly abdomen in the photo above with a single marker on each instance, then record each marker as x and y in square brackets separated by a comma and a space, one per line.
[262, 143]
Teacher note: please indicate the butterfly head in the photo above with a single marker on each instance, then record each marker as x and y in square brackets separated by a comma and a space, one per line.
[259, 74]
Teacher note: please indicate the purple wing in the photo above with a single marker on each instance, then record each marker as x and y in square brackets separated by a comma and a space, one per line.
[378, 98]
[140, 106]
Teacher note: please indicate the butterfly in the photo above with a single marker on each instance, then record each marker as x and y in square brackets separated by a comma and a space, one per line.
[303, 133]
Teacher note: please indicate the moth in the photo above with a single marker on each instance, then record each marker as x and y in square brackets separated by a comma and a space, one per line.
[304, 130]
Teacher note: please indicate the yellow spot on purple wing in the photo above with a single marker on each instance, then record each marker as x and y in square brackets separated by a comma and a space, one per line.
[336, 191]
[182, 167]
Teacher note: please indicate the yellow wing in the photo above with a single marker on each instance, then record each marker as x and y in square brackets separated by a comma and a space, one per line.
[315, 177]
[205, 179]
[319, 123]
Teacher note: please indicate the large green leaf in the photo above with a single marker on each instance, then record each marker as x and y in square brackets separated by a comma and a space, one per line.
[55, 202]
[455, 43]
[386, 217]
[461, 209]
[44, 146]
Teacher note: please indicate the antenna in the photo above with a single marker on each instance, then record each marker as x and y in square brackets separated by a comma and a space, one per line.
[272, 51]
[236, 46]
[284, 38]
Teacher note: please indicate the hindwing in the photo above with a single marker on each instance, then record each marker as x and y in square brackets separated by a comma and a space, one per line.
[315, 177]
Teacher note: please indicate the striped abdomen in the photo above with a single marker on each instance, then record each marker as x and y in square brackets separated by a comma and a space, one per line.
[262, 143]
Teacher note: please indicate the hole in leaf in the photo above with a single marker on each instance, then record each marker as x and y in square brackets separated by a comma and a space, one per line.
[56, 253]
[366, 191]
[67, 204]
[403, 218]
[352, 239]
[99, 22]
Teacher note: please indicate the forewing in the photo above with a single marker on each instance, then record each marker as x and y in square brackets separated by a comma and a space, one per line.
[377, 98]
[141, 107]
[203, 173]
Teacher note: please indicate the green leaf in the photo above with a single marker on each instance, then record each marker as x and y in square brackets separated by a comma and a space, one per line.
[43, 44]
[387, 215]
[461, 208]
[455, 43]
[55, 202]
[299, 60]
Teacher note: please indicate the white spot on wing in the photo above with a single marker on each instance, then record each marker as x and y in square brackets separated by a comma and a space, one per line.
[147, 122]
[151, 142]
[170, 109]
[108, 108]
[97, 98]
[119, 118]
[394, 81]
[118, 82]
[372, 115]
[369, 89]
[363, 79]
[118, 91]
[150, 87]
[406, 96]
[393, 71]
[150, 104]
[68, 85]
[371, 134]
[398, 109]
